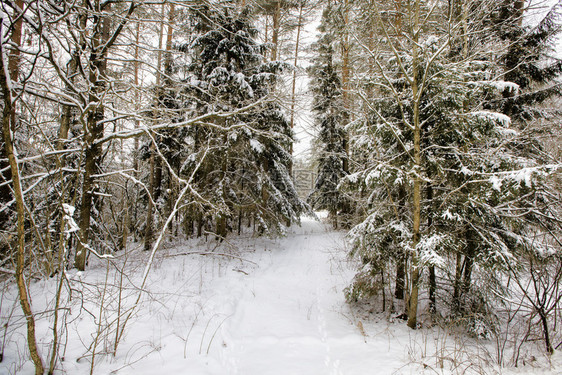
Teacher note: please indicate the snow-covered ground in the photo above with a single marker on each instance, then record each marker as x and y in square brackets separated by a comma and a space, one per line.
[251, 306]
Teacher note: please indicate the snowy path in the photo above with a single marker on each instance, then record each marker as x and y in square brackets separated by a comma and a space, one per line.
[279, 311]
[290, 317]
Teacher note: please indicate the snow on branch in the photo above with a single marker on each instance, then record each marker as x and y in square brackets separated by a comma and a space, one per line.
[496, 117]
[427, 248]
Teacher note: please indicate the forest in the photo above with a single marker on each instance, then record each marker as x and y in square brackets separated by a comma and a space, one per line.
[137, 133]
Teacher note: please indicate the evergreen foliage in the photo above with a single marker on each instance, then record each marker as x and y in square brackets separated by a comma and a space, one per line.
[528, 61]
[330, 115]
[481, 196]
[247, 162]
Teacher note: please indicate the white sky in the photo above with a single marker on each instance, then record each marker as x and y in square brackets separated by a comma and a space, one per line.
[303, 116]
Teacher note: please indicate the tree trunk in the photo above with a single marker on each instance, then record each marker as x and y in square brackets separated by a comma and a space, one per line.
[400, 277]
[432, 281]
[398, 17]
[8, 116]
[13, 69]
[383, 283]
[222, 217]
[14, 53]
[415, 272]
[468, 263]
[276, 27]
[93, 132]
[67, 115]
[546, 331]
[240, 221]
[134, 221]
[432, 290]
[401, 259]
[519, 9]
[169, 35]
[155, 161]
[148, 233]
[266, 32]
[457, 283]
[137, 98]
[200, 226]
[221, 227]
[345, 76]
[294, 84]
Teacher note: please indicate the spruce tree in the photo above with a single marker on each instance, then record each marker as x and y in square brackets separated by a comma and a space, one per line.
[329, 110]
[475, 183]
[529, 60]
[247, 157]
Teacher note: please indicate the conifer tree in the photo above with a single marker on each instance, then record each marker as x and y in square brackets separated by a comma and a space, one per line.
[433, 141]
[529, 60]
[330, 115]
[247, 164]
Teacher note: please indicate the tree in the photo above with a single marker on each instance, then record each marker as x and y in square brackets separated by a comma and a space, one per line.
[155, 173]
[247, 168]
[9, 99]
[102, 39]
[331, 115]
[445, 183]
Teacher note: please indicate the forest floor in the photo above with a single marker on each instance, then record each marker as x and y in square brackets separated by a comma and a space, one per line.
[251, 306]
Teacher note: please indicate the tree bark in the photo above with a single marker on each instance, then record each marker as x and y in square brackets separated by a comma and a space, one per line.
[468, 263]
[294, 85]
[134, 220]
[137, 97]
[457, 282]
[415, 272]
[276, 27]
[546, 331]
[94, 131]
[14, 54]
[432, 281]
[13, 69]
[148, 233]
[67, 116]
[345, 76]
[398, 17]
[400, 277]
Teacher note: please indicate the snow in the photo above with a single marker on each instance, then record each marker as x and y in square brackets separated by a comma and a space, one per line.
[248, 306]
[448, 215]
[524, 175]
[496, 183]
[466, 171]
[240, 80]
[498, 118]
[353, 177]
[428, 247]
[501, 86]
[256, 146]
[71, 225]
